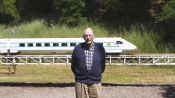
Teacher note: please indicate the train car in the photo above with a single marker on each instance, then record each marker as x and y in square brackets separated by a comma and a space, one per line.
[18, 45]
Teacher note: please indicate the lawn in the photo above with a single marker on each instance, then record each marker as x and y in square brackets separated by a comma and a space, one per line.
[112, 74]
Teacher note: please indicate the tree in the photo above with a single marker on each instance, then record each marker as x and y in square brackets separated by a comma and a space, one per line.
[70, 11]
[163, 11]
[8, 11]
[167, 13]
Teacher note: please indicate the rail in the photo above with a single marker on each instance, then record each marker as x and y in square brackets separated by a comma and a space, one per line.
[158, 59]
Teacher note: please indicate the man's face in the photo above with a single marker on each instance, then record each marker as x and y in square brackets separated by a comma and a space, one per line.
[88, 37]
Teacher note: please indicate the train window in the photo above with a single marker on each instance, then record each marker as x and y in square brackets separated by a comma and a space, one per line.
[63, 44]
[30, 44]
[108, 44]
[38, 44]
[47, 44]
[55, 44]
[119, 42]
[72, 44]
[21, 45]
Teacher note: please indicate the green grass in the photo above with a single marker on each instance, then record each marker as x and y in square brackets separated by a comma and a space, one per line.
[38, 74]
[112, 74]
[145, 39]
[140, 74]
[38, 29]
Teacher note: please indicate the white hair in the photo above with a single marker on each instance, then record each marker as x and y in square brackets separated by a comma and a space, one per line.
[87, 30]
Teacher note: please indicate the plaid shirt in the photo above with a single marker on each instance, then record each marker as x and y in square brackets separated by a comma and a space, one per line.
[89, 56]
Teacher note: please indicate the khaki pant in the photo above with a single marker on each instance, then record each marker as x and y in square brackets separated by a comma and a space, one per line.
[88, 90]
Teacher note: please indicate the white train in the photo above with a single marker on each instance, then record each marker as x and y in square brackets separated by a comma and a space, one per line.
[18, 45]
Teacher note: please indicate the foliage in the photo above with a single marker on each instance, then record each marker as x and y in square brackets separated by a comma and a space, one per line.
[127, 11]
[70, 11]
[8, 10]
[168, 12]
[165, 19]
[157, 15]
[75, 12]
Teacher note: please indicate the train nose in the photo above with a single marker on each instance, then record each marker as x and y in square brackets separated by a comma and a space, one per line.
[134, 47]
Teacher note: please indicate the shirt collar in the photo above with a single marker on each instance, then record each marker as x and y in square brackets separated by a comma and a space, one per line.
[91, 47]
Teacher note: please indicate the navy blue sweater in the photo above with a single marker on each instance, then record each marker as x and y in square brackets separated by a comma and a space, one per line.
[78, 64]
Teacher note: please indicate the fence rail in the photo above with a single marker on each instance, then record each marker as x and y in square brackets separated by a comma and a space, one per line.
[158, 59]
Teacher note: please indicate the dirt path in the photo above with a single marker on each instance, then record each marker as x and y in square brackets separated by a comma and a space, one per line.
[68, 92]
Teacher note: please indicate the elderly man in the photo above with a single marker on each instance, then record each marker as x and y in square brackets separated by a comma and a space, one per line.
[88, 64]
